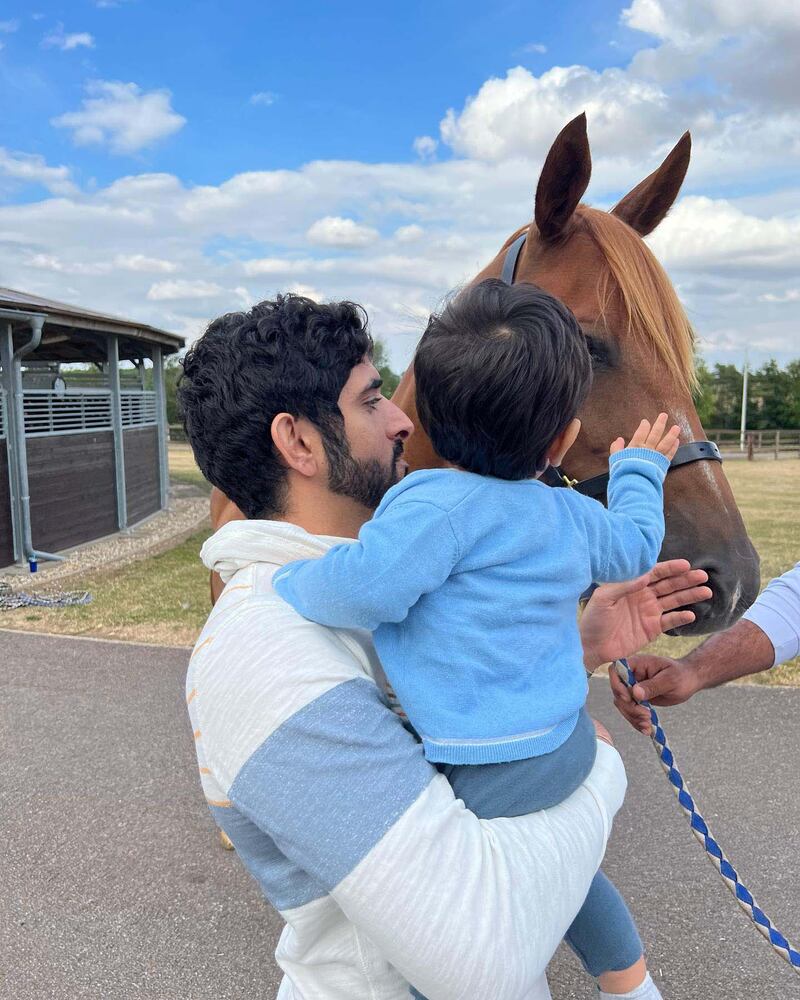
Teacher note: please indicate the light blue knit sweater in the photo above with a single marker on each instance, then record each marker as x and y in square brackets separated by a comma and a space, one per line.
[471, 585]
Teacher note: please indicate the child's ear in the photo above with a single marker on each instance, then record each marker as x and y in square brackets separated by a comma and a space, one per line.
[562, 444]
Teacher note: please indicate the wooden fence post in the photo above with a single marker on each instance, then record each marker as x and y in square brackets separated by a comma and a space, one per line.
[777, 444]
[750, 447]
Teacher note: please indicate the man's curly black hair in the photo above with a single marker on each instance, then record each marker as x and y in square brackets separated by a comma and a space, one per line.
[289, 355]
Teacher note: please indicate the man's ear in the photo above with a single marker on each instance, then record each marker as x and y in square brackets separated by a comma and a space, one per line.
[562, 444]
[298, 443]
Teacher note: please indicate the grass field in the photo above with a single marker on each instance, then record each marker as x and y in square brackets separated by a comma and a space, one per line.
[165, 599]
[768, 495]
[183, 468]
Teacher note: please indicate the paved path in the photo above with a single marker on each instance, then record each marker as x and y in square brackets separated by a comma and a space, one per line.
[113, 885]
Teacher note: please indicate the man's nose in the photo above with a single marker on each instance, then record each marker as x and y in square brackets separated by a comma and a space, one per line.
[400, 427]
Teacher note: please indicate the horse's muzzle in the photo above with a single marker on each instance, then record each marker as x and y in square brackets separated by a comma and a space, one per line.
[734, 579]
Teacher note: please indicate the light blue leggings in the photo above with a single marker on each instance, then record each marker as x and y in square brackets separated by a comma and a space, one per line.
[603, 935]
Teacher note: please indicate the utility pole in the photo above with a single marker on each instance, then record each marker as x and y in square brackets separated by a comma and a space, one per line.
[743, 425]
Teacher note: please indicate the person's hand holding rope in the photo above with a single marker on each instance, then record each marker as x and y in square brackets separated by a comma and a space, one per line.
[661, 681]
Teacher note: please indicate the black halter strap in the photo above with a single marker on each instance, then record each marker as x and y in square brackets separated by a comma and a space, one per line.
[597, 486]
[512, 256]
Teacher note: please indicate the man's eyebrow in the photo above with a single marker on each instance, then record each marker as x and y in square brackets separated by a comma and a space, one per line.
[376, 383]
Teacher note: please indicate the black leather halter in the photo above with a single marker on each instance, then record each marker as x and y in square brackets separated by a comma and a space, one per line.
[597, 486]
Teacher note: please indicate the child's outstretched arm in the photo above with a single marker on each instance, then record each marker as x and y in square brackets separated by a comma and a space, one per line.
[628, 536]
[406, 551]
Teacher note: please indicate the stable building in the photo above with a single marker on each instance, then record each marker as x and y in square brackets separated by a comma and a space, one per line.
[83, 454]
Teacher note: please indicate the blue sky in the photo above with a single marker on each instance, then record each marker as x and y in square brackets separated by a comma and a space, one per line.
[154, 158]
[345, 81]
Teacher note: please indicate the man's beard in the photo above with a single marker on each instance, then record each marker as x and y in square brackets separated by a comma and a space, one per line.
[365, 482]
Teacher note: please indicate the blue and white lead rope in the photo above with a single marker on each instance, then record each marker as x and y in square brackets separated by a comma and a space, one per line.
[701, 831]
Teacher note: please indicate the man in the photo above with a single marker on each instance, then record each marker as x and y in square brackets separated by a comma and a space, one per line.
[766, 635]
[382, 876]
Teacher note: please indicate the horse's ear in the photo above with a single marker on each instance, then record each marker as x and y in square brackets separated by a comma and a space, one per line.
[647, 204]
[564, 179]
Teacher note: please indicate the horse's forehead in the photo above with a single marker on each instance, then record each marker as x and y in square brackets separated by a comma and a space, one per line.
[571, 271]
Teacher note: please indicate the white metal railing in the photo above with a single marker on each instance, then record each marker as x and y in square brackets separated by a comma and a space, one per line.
[77, 410]
[138, 408]
[3, 418]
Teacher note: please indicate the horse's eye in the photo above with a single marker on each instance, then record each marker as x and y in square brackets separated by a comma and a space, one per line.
[600, 353]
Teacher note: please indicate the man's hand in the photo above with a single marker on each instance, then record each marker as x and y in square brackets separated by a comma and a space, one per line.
[660, 680]
[621, 618]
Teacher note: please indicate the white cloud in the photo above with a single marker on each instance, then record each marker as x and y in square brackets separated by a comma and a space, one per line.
[60, 40]
[425, 147]
[334, 231]
[32, 169]
[263, 97]
[734, 260]
[719, 237]
[140, 262]
[9, 27]
[747, 49]
[732, 265]
[409, 234]
[121, 262]
[520, 114]
[166, 290]
[309, 291]
[790, 295]
[535, 47]
[49, 262]
[121, 116]
[689, 23]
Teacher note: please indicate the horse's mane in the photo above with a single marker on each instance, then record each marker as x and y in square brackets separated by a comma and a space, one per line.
[654, 313]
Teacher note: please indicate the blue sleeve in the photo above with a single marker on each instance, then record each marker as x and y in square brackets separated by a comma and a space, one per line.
[407, 550]
[625, 540]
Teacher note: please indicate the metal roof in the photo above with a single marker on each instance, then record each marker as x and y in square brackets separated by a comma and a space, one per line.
[75, 317]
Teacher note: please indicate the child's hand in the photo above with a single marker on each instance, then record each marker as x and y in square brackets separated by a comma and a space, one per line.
[655, 437]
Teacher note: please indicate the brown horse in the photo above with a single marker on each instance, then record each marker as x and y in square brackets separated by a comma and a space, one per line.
[643, 351]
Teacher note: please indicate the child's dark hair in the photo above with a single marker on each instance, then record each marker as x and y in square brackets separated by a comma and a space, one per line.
[499, 374]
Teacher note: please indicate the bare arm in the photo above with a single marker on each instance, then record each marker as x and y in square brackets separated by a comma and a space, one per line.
[768, 634]
[741, 650]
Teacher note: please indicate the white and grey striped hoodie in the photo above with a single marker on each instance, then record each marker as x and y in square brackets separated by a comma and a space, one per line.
[382, 876]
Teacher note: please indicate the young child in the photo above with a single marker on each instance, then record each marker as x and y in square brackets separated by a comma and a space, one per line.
[470, 575]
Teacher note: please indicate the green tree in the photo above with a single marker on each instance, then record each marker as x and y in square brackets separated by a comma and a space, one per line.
[772, 396]
[728, 396]
[705, 394]
[793, 371]
[381, 361]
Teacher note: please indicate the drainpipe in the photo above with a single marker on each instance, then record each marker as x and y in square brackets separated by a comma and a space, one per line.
[31, 555]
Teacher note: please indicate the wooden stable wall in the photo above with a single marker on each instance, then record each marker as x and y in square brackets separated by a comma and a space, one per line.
[6, 538]
[142, 491]
[72, 487]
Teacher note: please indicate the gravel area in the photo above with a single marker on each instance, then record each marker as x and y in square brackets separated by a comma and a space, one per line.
[187, 514]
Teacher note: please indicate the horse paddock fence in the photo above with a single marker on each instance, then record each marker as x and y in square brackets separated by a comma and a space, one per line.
[775, 444]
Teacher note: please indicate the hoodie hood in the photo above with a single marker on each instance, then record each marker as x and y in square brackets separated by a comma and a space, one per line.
[239, 544]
